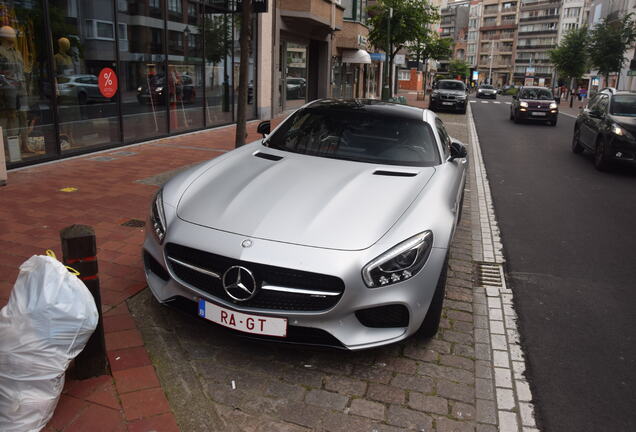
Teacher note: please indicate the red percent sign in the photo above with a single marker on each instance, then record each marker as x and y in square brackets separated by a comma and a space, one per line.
[107, 82]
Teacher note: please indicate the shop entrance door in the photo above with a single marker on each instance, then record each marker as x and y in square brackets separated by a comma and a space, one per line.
[293, 88]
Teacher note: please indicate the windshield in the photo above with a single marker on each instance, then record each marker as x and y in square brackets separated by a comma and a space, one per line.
[358, 136]
[487, 87]
[536, 94]
[450, 85]
[624, 105]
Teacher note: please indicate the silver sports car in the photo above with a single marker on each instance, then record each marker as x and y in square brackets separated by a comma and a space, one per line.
[334, 229]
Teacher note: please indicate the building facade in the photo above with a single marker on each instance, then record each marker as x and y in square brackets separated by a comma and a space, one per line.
[538, 33]
[84, 75]
[497, 41]
[472, 38]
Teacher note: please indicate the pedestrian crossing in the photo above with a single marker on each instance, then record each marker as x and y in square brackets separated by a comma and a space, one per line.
[495, 102]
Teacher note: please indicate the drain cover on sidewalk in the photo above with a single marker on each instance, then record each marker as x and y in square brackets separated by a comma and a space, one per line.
[490, 274]
[134, 223]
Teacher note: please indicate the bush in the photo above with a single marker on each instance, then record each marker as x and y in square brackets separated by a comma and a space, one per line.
[511, 91]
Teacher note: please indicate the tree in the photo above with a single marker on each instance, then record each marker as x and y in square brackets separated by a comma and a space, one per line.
[608, 42]
[431, 47]
[458, 68]
[570, 57]
[409, 23]
[244, 42]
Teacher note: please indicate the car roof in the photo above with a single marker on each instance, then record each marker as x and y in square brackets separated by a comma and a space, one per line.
[370, 106]
[452, 80]
[534, 87]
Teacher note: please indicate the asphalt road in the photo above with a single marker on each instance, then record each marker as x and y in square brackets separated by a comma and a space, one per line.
[569, 235]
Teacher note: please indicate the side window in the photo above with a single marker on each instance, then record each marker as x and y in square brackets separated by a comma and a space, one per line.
[592, 103]
[601, 106]
[446, 141]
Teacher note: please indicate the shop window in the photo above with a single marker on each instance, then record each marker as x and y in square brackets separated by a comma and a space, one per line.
[404, 75]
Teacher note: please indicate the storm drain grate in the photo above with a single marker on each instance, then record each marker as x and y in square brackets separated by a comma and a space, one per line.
[490, 274]
[134, 223]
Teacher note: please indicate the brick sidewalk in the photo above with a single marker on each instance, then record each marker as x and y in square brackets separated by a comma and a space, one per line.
[34, 208]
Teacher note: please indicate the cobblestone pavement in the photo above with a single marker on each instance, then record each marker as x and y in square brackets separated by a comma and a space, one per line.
[215, 381]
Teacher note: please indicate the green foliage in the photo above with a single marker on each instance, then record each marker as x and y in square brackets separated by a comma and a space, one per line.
[432, 47]
[511, 91]
[458, 68]
[608, 42]
[410, 23]
[571, 57]
[218, 37]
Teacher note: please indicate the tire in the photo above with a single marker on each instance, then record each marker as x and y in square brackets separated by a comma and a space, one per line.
[601, 161]
[463, 111]
[514, 118]
[577, 148]
[430, 325]
[511, 116]
[553, 122]
[82, 98]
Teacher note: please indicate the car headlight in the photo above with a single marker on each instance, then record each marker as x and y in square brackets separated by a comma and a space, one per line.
[523, 104]
[399, 263]
[158, 217]
[620, 131]
[553, 105]
[461, 97]
[479, 90]
[139, 89]
[435, 93]
[159, 89]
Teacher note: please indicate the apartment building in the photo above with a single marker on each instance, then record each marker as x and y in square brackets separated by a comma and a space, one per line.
[472, 39]
[496, 48]
[454, 25]
[537, 34]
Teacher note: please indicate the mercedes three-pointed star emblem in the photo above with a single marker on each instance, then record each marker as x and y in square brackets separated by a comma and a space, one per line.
[239, 283]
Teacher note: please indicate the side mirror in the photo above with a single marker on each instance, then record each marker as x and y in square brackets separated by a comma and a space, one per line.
[264, 128]
[457, 150]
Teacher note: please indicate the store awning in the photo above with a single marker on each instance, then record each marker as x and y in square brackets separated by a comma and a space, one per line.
[356, 56]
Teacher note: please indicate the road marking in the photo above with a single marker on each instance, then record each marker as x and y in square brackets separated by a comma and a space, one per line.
[472, 101]
[508, 359]
[496, 102]
[484, 101]
[569, 115]
[508, 103]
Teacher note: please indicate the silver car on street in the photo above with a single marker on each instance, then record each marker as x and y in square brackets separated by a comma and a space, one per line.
[334, 229]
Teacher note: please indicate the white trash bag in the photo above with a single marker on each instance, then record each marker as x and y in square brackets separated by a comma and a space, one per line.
[47, 322]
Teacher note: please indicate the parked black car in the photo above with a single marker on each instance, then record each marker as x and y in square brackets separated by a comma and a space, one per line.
[607, 127]
[159, 90]
[448, 94]
[534, 103]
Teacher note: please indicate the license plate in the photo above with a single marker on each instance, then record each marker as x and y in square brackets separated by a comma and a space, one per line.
[247, 323]
[538, 114]
[447, 103]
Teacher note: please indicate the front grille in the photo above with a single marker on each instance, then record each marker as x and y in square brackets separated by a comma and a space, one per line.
[384, 316]
[448, 97]
[295, 334]
[271, 275]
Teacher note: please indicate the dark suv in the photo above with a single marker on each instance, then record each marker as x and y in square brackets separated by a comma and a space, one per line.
[607, 127]
[534, 103]
[448, 94]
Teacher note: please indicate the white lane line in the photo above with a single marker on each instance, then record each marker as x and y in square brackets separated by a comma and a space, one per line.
[472, 101]
[496, 102]
[508, 103]
[484, 101]
[569, 115]
[508, 364]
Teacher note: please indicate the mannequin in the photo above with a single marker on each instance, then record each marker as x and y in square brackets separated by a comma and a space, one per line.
[63, 61]
[12, 68]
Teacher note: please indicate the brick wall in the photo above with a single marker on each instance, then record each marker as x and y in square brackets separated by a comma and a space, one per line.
[415, 83]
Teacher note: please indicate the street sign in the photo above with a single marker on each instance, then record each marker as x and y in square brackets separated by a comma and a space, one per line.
[107, 82]
[380, 57]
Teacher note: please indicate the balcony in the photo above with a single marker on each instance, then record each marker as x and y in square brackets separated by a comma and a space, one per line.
[311, 15]
[534, 61]
[538, 32]
[535, 47]
[540, 18]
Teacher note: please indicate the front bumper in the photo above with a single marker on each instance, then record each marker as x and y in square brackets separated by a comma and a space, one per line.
[457, 105]
[339, 322]
[538, 114]
[622, 149]
[487, 95]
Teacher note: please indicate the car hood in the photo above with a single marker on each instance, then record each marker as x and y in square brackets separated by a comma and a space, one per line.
[299, 199]
[452, 92]
[538, 103]
[483, 90]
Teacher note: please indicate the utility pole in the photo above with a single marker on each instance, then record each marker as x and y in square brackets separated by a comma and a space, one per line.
[386, 88]
[492, 46]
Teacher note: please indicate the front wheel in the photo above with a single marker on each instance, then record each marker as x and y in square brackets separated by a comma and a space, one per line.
[430, 325]
[577, 148]
[552, 122]
[515, 118]
[601, 161]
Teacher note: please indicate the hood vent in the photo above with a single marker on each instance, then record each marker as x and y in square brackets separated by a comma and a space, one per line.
[268, 156]
[395, 173]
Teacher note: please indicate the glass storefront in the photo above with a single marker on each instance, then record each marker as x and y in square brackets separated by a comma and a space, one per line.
[81, 75]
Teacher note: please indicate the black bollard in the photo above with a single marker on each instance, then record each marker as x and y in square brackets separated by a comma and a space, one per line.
[79, 250]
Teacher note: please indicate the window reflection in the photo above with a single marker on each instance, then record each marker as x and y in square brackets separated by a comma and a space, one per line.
[26, 116]
[218, 58]
[84, 44]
